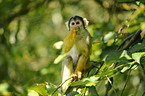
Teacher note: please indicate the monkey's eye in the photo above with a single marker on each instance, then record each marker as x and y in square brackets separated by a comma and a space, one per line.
[77, 22]
[73, 23]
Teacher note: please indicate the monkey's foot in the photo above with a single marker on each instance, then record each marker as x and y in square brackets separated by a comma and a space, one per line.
[74, 77]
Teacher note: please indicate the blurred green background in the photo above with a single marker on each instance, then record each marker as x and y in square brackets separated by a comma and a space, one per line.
[30, 28]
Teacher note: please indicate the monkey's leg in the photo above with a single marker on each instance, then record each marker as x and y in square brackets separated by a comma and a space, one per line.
[80, 65]
[67, 71]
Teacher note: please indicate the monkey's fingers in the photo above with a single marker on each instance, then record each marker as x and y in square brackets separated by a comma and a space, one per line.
[74, 77]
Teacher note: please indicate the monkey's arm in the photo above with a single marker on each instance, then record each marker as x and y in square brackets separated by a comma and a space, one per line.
[81, 65]
[69, 41]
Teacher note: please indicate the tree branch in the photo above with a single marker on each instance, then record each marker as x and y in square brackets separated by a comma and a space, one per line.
[101, 62]
[132, 38]
[123, 42]
[60, 86]
[125, 82]
[112, 85]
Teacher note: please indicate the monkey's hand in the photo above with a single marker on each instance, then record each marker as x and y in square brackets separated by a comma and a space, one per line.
[70, 39]
[80, 66]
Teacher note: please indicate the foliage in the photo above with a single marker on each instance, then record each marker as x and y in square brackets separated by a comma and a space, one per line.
[29, 54]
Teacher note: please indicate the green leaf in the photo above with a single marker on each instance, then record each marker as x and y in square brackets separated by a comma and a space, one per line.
[142, 26]
[109, 54]
[137, 47]
[109, 36]
[125, 55]
[137, 56]
[91, 81]
[32, 93]
[59, 58]
[39, 88]
[84, 90]
[127, 66]
[109, 73]
[42, 88]
[50, 87]
[110, 42]
[92, 91]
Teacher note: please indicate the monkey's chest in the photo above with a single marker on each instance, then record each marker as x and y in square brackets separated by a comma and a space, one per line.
[74, 53]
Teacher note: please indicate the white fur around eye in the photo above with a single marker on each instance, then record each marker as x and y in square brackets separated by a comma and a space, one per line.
[72, 23]
[78, 22]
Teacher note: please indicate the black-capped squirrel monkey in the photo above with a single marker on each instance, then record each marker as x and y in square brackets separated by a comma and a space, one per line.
[77, 46]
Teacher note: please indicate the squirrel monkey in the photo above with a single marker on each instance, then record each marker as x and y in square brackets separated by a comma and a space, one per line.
[77, 46]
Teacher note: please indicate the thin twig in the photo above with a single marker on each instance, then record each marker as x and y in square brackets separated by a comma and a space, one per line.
[112, 85]
[99, 68]
[125, 82]
[132, 39]
[124, 41]
[59, 86]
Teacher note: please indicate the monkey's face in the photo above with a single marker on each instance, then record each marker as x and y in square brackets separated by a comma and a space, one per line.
[76, 22]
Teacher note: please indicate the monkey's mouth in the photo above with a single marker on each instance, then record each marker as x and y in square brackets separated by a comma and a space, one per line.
[76, 28]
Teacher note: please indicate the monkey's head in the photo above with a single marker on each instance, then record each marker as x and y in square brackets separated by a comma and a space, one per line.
[78, 22]
[75, 25]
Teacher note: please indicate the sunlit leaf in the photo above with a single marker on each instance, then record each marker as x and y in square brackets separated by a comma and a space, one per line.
[4, 89]
[91, 81]
[109, 36]
[125, 55]
[59, 58]
[137, 56]
[58, 44]
[142, 26]
[32, 93]
[110, 42]
[127, 66]
[83, 90]
[131, 29]
[39, 88]
[50, 87]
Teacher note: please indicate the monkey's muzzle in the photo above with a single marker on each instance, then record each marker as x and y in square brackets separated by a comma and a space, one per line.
[76, 28]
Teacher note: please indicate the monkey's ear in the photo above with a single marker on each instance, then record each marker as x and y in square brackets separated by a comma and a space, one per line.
[66, 23]
[86, 22]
